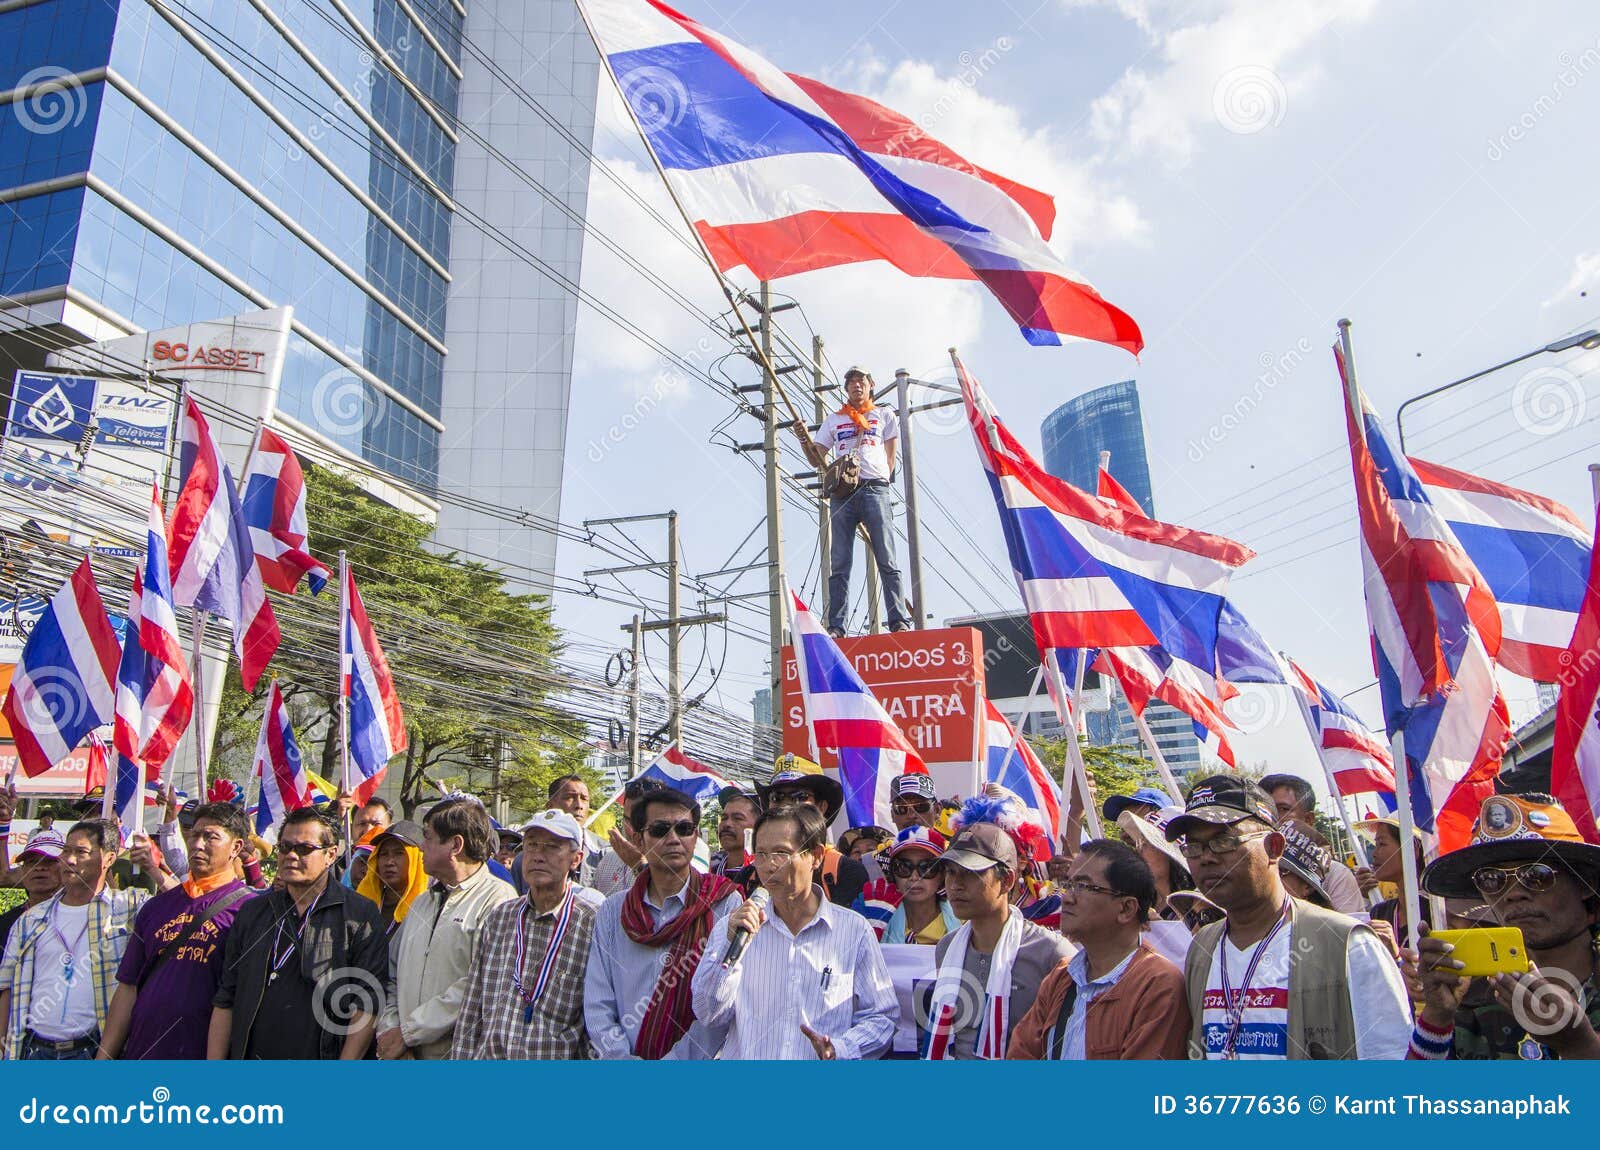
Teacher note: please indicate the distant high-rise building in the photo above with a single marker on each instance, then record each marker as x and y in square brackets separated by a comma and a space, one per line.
[1110, 419]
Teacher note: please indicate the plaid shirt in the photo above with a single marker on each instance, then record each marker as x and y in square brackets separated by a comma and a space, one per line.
[110, 925]
[491, 1025]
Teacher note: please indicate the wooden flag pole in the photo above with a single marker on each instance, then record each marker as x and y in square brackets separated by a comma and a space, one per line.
[197, 676]
[345, 669]
[1168, 780]
[1016, 732]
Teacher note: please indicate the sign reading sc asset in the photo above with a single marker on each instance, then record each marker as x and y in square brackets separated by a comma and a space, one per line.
[930, 682]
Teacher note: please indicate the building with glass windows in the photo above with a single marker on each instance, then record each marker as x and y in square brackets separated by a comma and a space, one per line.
[409, 175]
[1074, 434]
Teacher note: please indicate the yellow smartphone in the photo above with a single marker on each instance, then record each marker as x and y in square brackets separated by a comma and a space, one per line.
[1487, 950]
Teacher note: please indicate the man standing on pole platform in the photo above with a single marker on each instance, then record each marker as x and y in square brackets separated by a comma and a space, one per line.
[863, 438]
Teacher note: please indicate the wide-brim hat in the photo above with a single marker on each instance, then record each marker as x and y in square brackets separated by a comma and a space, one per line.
[827, 791]
[1152, 828]
[1512, 829]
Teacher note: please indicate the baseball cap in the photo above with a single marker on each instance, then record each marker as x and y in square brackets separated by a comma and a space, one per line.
[46, 844]
[558, 823]
[856, 369]
[1112, 810]
[733, 791]
[919, 786]
[981, 846]
[919, 838]
[404, 831]
[1222, 800]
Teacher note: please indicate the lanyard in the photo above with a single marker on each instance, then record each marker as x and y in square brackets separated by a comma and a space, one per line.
[1235, 1008]
[531, 995]
[280, 956]
[69, 949]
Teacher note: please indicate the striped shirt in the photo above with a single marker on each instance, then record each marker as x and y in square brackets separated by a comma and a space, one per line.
[111, 914]
[830, 976]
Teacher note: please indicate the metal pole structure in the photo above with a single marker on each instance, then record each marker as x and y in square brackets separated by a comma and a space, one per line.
[633, 698]
[1410, 890]
[769, 456]
[197, 674]
[344, 688]
[1174, 792]
[902, 395]
[1594, 481]
[824, 517]
[674, 633]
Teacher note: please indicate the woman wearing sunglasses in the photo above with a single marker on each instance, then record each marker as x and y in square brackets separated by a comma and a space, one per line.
[909, 906]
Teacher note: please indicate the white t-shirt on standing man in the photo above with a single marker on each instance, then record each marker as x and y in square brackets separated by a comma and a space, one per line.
[840, 434]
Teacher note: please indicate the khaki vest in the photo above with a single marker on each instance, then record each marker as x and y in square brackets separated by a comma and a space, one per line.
[1321, 1024]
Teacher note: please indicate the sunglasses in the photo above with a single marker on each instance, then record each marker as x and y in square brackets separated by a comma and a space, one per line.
[919, 807]
[916, 868]
[661, 828]
[300, 850]
[1535, 877]
[794, 797]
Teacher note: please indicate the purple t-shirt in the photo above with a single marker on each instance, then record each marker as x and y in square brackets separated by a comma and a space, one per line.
[173, 1012]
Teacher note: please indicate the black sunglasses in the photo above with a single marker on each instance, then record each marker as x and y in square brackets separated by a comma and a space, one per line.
[920, 868]
[1537, 877]
[918, 807]
[301, 850]
[661, 828]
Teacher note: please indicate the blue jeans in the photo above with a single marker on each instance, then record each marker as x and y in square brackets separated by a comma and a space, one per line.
[35, 1051]
[871, 508]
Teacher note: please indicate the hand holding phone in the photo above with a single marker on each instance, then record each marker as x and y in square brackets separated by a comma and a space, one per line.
[1486, 950]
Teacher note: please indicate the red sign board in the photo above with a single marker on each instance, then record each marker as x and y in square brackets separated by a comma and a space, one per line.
[930, 682]
[63, 779]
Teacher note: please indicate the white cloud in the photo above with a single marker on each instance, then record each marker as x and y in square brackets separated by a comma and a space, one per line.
[1240, 67]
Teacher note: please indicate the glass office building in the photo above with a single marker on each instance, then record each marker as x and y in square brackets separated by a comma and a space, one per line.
[1074, 434]
[171, 161]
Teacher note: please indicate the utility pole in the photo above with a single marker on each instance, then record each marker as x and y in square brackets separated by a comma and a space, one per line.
[633, 698]
[902, 390]
[769, 455]
[824, 517]
[674, 632]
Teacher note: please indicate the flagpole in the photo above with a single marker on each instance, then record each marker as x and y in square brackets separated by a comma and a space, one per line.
[1016, 733]
[197, 674]
[1074, 755]
[1410, 889]
[1168, 780]
[700, 243]
[344, 696]
[1333, 786]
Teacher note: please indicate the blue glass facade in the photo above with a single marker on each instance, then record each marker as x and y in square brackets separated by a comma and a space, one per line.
[363, 180]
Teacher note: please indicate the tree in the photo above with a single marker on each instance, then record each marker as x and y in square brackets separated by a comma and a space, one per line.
[474, 662]
[1114, 770]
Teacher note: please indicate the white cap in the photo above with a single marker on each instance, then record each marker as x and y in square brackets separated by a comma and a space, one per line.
[48, 843]
[558, 823]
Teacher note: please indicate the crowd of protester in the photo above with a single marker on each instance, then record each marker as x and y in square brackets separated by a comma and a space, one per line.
[1224, 928]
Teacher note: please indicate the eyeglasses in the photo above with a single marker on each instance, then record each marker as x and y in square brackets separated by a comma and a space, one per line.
[774, 858]
[1536, 877]
[919, 868]
[1219, 846]
[917, 807]
[794, 797]
[300, 850]
[661, 828]
[1084, 886]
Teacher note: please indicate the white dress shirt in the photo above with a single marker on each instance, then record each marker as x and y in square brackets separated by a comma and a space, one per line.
[829, 976]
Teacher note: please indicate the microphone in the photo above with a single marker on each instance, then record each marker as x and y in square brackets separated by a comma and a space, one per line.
[739, 939]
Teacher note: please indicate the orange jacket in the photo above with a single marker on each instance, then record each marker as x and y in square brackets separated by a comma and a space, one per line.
[1145, 1015]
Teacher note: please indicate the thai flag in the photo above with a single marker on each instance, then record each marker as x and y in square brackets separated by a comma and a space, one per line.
[284, 785]
[1020, 771]
[842, 714]
[64, 685]
[1575, 758]
[1114, 493]
[1532, 552]
[685, 775]
[1435, 633]
[274, 496]
[1144, 673]
[1355, 756]
[213, 560]
[376, 722]
[783, 174]
[1093, 574]
[154, 698]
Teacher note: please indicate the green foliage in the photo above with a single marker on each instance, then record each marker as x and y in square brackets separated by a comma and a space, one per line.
[11, 897]
[473, 662]
[1115, 770]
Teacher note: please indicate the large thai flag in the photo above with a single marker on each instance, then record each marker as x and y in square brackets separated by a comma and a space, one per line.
[284, 785]
[685, 775]
[1575, 758]
[1143, 673]
[1020, 771]
[1096, 574]
[1355, 756]
[377, 724]
[783, 174]
[273, 493]
[154, 696]
[1435, 633]
[64, 685]
[213, 559]
[843, 715]
[1532, 552]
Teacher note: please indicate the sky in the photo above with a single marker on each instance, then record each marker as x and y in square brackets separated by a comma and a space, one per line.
[1236, 176]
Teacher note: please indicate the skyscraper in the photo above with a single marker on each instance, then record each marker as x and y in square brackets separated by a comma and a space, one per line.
[370, 163]
[1109, 419]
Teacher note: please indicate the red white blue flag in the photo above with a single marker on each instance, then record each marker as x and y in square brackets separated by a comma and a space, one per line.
[377, 724]
[1010, 761]
[213, 559]
[685, 775]
[284, 785]
[1575, 759]
[784, 174]
[154, 696]
[1356, 757]
[1531, 551]
[64, 685]
[1435, 633]
[273, 493]
[844, 715]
